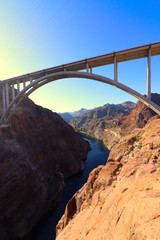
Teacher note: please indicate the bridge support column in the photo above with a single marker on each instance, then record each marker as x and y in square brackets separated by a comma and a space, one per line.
[4, 99]
[90, 69]
[87, 67]
[24, 84]
[13, 92]
[31, 80]
[7, 94]
[149, 74]
[115, 70]
[18, 87]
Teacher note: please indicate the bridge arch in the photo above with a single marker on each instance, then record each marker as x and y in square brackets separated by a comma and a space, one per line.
[71, 74]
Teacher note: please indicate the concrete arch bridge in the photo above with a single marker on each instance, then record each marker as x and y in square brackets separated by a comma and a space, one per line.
[74, 70]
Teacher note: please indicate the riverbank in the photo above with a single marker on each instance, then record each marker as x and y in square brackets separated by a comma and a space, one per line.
[45, 229]
[89, 137]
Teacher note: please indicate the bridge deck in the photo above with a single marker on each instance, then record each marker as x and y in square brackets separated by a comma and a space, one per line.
[121, 56]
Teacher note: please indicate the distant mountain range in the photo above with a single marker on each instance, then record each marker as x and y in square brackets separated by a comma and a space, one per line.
[79, 112]
[67, 116]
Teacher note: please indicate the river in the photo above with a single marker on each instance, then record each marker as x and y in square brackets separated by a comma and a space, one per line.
[45, 229]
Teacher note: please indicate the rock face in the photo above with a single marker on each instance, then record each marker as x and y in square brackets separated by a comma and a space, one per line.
[120, 200]
[66, 116]
[138, 117]
[112, 122]
[38, 150]
[102, 122]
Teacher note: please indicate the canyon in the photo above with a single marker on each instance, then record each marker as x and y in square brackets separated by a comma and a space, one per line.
[120, 201]
[39, 150]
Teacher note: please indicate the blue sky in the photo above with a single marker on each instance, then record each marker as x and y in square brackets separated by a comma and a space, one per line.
[38, 34]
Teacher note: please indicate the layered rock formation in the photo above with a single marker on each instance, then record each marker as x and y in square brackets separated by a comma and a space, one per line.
[120, 200]
[38, 150]
[102, 122]
[112, 122]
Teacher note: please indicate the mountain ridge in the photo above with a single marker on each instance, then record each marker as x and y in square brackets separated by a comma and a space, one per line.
[97, 120]
[68, 116]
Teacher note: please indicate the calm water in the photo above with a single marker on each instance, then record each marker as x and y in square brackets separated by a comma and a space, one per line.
[45, 230]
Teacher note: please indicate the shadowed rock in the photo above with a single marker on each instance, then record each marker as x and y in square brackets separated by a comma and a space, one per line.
[38, 150]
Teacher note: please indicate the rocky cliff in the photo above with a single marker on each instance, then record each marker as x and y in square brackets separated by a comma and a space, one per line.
[112, 122]
[102, 122]
[120, 200]
[38, 150]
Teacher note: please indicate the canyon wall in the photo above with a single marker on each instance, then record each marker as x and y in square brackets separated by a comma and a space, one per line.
[121, 200]
[38, 150]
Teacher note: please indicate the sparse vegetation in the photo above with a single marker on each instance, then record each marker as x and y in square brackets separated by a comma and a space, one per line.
[131, 141]
[134, 139]
[139, 145]
[138, 138]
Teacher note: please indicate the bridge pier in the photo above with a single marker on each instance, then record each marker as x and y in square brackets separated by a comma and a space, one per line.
[115, 69]
[18, 87]
[149, 73]
[24, 84]
[7, 95]
[87, 67]
[4, 98]
[31, 80]
[13, 92]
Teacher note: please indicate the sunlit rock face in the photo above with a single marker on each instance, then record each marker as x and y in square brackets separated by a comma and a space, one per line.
[139, 116]
[120, 200]
[37, 151]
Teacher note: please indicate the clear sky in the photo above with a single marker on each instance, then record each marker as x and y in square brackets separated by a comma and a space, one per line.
[38, 34]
